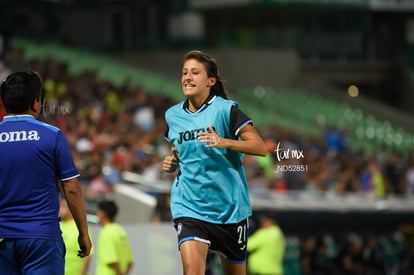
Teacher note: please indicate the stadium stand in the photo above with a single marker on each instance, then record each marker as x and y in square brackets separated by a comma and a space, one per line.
[367, 131]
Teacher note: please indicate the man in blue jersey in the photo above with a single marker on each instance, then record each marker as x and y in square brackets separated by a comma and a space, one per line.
[34, 160]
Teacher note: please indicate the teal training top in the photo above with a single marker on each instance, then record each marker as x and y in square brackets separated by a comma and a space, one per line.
[211, 184]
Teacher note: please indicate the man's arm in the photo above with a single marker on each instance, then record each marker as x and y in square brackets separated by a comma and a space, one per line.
[73, 193]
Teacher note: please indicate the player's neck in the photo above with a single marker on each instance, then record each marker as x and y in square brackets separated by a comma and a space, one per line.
[195, 102]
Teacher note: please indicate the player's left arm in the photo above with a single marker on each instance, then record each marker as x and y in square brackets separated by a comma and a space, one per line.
[250, 141]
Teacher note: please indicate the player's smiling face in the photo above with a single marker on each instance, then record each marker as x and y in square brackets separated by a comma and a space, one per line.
[194, 79]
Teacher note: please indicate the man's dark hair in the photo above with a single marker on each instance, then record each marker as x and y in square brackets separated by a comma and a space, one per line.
[110, 208]
[20, 90]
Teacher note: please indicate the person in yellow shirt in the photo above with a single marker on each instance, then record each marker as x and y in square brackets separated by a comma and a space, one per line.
[74, 265]
[114, 253]
[266, 248]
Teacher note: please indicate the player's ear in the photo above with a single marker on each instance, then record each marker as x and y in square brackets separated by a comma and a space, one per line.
[211, 81]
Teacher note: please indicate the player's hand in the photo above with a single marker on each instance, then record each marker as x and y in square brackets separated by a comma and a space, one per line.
[170, 163]
[85, 245]
[211, 139]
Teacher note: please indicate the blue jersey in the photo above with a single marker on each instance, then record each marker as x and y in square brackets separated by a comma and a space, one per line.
[33, 157]
[211, 184]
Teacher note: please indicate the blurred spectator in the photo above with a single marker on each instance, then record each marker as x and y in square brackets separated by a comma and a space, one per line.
[266, 249]
[316, 258]
[318, 176]
[347, 173]
[98, 188]
[152, 165]
[373, 257]
[117, 165]
[144, 116]
[373, 180]
[409, 178]
[325, 259]
[405, 238]
[258, 184]
[74, 265]
[335, 141]
[292, 257]
[348, 176]
[267, 162]
[114, 253]
[308, 255]
[349, 259]
[91, 165]
[394, 172]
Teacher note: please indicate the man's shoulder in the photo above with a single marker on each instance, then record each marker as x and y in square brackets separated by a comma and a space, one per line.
[45, 125]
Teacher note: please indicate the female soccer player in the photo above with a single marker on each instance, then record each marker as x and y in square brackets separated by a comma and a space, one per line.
[209, 198]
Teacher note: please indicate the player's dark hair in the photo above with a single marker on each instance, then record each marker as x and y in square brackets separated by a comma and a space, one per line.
[110, 208]
[19, 91]
[212, 70]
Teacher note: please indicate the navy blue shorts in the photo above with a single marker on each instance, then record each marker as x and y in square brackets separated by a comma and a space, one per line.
[228, 239]
[32, 257]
